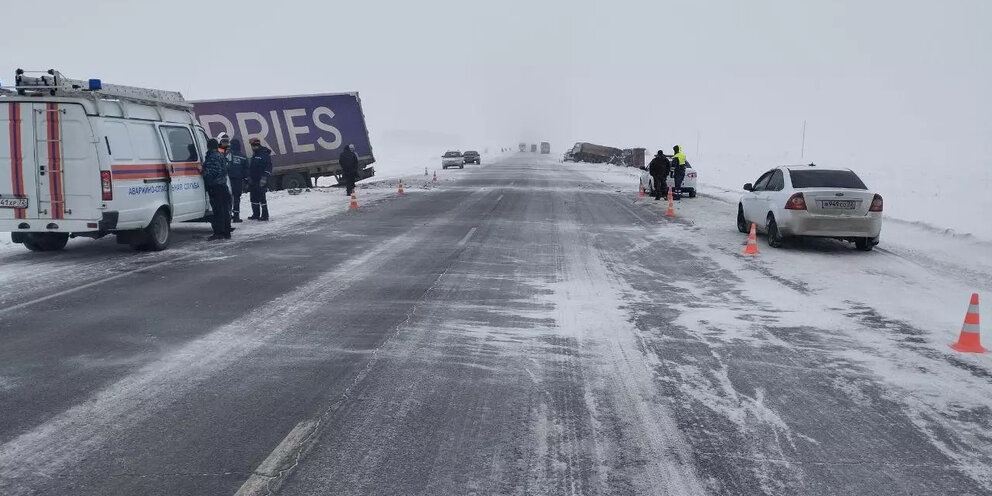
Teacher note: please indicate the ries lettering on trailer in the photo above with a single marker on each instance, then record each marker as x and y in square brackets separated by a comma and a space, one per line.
[297, 123]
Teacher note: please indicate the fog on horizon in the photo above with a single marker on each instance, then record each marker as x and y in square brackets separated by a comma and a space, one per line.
[874, 80]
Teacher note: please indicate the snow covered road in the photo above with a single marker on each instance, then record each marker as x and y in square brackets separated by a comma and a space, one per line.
[525, 327]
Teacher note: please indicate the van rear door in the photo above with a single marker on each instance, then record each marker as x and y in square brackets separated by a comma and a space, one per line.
[67, 169]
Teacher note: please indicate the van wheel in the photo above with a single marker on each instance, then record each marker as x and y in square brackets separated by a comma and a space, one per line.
[33, 246]
[293, 181]
[46, 241]
[157, 234]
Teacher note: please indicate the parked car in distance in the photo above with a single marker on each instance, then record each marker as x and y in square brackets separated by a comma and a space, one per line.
[811, 201]
[688, 183]
[472, 157]
[452, 159]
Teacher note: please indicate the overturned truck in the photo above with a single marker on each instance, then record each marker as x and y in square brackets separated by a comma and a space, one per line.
[305, 133]
[595, 154]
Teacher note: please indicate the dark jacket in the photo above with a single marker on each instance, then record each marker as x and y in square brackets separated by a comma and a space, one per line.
[214, 168]
[261, 164]
[659, 166]
[349, 163]
[237, 167]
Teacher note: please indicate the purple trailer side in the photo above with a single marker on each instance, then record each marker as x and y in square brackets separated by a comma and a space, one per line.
[305, 133]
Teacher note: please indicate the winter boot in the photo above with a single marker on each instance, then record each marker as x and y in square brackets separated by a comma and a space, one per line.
[236, 217]
[265, 212]
[254, 211]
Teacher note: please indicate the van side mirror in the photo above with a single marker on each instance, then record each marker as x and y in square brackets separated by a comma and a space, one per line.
[748, 187]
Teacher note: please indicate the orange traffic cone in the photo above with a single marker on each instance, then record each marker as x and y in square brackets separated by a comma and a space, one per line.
[970, 339]
[435, 176]
[354, 202]
[640, 190]
[401, 188]
[671, 205]
[752, 241]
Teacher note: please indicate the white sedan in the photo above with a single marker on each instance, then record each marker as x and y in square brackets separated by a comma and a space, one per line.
[688, 183]
[812, 201]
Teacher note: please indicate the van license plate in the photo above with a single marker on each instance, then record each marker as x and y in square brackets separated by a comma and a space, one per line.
[839, 204]
[13, 202]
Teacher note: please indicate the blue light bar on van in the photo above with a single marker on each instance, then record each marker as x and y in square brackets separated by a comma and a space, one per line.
[95, 84]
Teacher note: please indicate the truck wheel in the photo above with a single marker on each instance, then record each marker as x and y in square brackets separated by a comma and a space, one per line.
[157, 234]
[293, 181]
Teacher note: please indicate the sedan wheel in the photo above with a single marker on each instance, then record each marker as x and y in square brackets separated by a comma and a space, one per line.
[775, 238]
[741, 221]
[865, 244]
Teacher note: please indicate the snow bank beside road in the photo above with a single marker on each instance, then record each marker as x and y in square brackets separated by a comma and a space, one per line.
[957, 204]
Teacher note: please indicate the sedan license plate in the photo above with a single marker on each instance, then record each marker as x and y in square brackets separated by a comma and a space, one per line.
[13, 202]
[839, 204]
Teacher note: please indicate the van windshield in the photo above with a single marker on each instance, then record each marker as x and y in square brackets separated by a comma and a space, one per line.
[826, 179]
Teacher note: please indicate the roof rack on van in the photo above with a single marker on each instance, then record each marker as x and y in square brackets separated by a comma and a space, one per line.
[54, 83]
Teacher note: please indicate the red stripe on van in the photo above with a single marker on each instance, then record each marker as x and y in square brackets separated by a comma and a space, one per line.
[16, 157]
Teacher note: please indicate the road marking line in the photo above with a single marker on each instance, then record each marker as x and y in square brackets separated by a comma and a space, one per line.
[93, 283]
[467, 236]
[500, 198]
[285, 456]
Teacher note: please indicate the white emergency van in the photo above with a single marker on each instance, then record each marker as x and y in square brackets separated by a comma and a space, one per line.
[82, 158]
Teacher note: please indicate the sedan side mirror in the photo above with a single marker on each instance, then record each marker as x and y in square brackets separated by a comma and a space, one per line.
[748, 187]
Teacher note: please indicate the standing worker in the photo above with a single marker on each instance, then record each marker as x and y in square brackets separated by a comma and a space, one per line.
[678, 161]
[659, 169]
[349, 168]
[215, 179]
[259, 171]
[237, 172]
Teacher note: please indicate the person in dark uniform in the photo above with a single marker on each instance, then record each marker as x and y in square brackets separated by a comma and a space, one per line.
[215, 179]
[678, 161]
[259, 171]
[349, 168]
[659, 169]
[237, 172]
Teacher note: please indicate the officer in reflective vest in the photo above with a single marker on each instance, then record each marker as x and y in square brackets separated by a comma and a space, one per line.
[678, 163]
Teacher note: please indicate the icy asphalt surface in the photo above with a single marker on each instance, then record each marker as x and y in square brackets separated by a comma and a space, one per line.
[524, 329]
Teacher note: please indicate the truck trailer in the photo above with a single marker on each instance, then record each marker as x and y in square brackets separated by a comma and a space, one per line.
[595, 154]
[305, 133]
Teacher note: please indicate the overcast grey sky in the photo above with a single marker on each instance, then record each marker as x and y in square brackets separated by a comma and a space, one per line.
[894, 80]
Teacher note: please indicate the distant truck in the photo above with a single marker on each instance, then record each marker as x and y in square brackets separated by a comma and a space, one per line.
[305, 133]
[545, 148]
[595, 154]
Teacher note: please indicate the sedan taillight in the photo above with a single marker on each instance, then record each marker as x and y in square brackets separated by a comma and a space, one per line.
[107, 185]
[796, 202]
[876, 204]
[691, 175]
